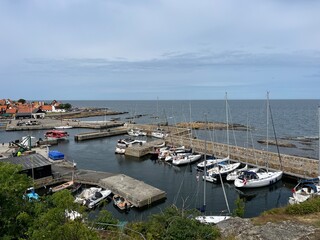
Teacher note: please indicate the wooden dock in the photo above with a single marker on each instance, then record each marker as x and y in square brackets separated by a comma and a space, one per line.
[139, 193]
[106, 133]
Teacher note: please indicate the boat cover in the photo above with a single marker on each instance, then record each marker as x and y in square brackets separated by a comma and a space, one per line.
[56, 155]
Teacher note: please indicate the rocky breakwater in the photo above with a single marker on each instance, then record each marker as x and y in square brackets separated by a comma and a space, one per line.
[249, 229]
[211, 125]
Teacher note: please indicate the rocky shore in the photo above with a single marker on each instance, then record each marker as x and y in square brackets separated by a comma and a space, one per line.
[211, 126]
[248, 229]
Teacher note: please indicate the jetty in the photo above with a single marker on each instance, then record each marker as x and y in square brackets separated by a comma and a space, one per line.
[100, 134]
[292, 166]
[139, 193]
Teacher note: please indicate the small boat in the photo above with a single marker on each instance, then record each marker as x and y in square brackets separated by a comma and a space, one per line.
[120, 150]
[97, 198]
[86, 194]
[304, 190]
[210, 162]
[222, 168]
[128, 142]
[31, 195]
[136, 133]
[181, 158]
[159, 134]
[63, 127]
[236, 173]
[61, 187]
[121, 202]
[56, 135]
[212, 219]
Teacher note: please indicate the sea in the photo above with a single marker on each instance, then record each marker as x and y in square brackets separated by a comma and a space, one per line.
[295, 121]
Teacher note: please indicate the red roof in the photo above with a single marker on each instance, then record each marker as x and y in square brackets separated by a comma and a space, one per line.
[11, 111]
[46, 108]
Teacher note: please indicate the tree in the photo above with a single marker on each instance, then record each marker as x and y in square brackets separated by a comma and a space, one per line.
[21, 100]
[174, 223]
[12, 187]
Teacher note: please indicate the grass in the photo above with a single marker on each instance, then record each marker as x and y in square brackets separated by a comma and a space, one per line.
[306, 212]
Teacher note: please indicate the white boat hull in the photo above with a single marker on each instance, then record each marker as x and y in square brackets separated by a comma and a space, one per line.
[265, 179]
[186, 159]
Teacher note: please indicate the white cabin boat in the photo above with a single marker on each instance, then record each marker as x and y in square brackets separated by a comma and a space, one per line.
[250, 179]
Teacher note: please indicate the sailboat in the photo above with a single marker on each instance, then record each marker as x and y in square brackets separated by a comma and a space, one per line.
[250, 179]
[236, 173]
[307, 188]
[223, 167]
[211, 219]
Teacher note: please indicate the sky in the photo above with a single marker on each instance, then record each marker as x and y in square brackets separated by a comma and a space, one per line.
[164, 49]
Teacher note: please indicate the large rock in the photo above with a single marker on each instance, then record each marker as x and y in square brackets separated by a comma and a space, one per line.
[285, 230]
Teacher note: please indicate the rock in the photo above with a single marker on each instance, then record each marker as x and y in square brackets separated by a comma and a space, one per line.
[244, 229]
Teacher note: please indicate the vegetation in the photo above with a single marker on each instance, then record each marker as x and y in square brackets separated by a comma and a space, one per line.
[21, 100]
[240, 206]
[65, 106]
[21, 218]
[173, 223]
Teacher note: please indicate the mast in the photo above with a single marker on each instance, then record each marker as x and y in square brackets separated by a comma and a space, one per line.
[267, 131]
[319, 141]
[205, 166]
[227, 119]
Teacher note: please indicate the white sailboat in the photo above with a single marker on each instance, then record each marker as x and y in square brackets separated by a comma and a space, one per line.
[250, 179]
[224, 167]
[306, 189]
[211, 219]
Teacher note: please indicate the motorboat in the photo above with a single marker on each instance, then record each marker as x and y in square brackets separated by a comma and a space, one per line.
[97, 198]
[304, 190]
[60, 187]
[159, 134]
[30, 194]
[121, 202]
[212, 219]
[136, 132]
[63, 127]
[128, 142]
[56, 135]
[86, 194]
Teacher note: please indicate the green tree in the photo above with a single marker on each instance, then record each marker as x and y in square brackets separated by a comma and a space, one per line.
[21, 100]
[240, 207]
[174, 223]
[12, 205]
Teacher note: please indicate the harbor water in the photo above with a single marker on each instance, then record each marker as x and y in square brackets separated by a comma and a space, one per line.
[295, 120]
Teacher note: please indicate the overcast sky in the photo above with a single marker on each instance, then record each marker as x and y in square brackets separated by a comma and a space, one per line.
[166, 49]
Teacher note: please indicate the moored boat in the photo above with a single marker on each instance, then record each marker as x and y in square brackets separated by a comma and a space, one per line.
[56, 135]
[97, 198]
[120, 202]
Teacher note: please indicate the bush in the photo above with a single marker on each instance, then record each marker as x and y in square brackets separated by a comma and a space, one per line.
[310, 206]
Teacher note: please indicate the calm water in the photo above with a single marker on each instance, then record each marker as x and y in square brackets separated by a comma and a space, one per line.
[294, 118]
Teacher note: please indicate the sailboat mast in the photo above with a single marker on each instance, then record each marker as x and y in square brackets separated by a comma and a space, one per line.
[267, 131]
[227, 119]
[319, 141]
[205, 165]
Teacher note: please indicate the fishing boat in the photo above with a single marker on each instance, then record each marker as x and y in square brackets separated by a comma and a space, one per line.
[56, 135]
[121, 203]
